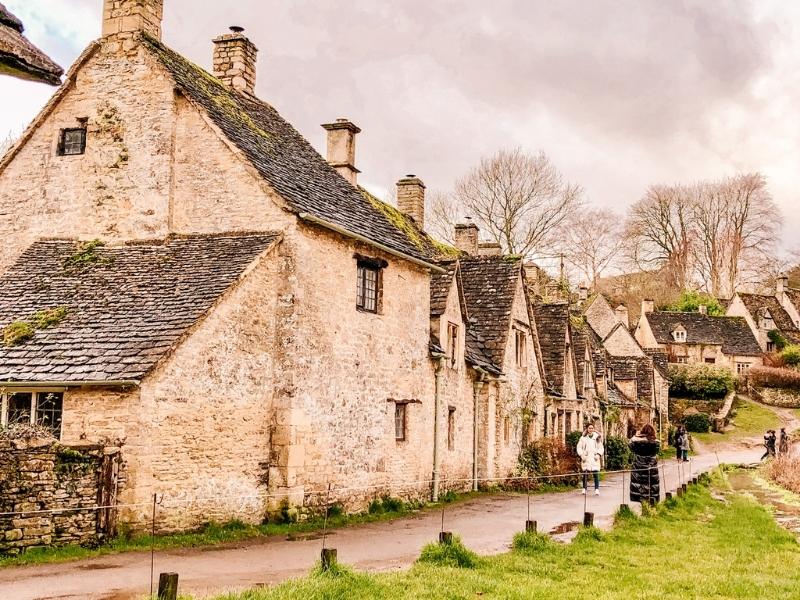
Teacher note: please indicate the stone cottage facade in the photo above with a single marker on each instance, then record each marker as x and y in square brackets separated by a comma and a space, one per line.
[765, 313]
[186, 279]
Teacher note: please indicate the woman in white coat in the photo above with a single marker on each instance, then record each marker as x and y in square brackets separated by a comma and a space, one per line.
[590, 449]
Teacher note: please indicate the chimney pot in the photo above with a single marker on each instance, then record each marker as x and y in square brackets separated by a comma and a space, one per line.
[234, 61]
[342, 148]
[411, 198]
[466, 237]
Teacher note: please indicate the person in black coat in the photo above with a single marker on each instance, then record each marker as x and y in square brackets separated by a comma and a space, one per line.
[644, 478]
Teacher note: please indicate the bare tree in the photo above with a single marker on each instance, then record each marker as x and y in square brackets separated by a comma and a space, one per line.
[592, 242]
[442, 212]
[520, 200]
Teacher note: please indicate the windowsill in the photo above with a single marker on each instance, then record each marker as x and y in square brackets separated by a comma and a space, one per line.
[368, 312]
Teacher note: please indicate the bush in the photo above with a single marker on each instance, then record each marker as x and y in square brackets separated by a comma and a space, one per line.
[454, 554]
[386, 504]
[549, 456]
[531, 541]
[790, 355]
[690, 301]
[618, 453]
[573, 437]
[698, 423]
[700, 381]
[776, 338]
[774, 378]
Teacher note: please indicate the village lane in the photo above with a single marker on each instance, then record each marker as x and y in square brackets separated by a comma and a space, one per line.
[486, 524]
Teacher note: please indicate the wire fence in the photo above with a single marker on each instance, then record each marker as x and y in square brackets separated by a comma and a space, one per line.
[161, 506]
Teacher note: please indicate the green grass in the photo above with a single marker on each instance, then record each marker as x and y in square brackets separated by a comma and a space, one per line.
[233, 531]
[697, 548]
[751, 420]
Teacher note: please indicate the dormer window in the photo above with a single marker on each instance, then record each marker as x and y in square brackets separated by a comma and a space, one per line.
[765, 320]
[72, 141]
[679, 334]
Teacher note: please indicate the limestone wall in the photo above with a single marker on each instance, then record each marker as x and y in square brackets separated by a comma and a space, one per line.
[783, 398]
[40, 475]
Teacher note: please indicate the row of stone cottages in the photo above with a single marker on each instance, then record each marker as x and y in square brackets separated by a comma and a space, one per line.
[253, 326]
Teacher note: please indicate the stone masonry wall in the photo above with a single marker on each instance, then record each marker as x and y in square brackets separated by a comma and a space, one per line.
[779, 397]
[40, 475]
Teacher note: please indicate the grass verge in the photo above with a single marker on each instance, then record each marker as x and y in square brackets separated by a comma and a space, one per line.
[730, 550]
[751, 420]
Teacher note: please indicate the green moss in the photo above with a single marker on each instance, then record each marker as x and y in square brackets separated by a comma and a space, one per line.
[17, 332]
[397, 219]
[49, 317]
[513, 257]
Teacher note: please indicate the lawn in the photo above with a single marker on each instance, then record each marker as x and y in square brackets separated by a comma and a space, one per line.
[751, 420]
[697, 547]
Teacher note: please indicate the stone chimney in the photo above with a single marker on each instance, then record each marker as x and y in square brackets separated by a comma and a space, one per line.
[342, 148]
[622, 315]
[467, 238]
[489, 249]
[702, 309]
[583, 293]
[411, 198]
[781, 285]
[234, 60]
[648, 306]
[123, 18]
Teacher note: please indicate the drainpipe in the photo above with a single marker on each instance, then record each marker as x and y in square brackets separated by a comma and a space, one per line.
[477, 386]
[437, 400]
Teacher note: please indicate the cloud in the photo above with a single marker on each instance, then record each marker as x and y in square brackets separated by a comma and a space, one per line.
[620, 93]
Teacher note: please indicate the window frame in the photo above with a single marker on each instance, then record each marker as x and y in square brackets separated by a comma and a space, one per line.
[34, 409]
[401, 410]
[451, 427]
[62, 141]
[520, 347]
[365, 265]
[742, 367]
[453, 334]
[679, 335]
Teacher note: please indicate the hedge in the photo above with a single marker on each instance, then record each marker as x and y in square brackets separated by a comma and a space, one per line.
[698, 423]
[700, 381]
[772, 377]
[618, 453]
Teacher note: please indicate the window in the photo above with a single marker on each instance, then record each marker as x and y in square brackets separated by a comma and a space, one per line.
[742, 368]
[400, 422]
[682, 360]
[770, 346]
[451, 428]
[506, 429]
[452, 344]
[72, 141]
[765, 319]
[33, 408]
[368, 285]
[679, 335]
[520, 345]
[710, 360]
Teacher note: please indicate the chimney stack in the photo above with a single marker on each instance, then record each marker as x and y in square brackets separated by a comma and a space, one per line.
[622, 315]
[123, 18]
[702, 309]
[648, 306]
[583, 293]
[342, 148]
[467, 237]
[781, 285]
[234, 61]
[411, 198]
[489, 249]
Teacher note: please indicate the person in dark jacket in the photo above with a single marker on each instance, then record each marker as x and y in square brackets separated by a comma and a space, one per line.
[644, 478]
[783, 444]
[769, 443]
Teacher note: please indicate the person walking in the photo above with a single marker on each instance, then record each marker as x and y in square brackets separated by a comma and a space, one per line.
[769, 444]
[676, 441]
[644, 478]
[783, 446]
[590, 449]
[684, 444]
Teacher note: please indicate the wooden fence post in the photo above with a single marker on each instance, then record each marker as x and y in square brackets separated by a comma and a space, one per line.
[168, 586]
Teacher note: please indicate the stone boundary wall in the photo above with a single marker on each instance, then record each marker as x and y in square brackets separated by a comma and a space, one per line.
[42, 475]
[780, 397]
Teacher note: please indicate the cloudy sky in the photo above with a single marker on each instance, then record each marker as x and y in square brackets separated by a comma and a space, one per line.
[620, 93]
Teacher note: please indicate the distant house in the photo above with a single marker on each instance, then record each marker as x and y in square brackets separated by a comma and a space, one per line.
[697, 337]
[765, 313]
[20, 58]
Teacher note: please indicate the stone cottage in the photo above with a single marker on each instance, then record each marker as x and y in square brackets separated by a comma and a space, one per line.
[185, 278]
[765, 313]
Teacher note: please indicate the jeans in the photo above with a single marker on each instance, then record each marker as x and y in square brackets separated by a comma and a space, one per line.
[596, 475]
[685, 455]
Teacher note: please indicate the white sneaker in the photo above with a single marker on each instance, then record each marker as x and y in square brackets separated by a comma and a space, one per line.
[597, 492]
[583, 491]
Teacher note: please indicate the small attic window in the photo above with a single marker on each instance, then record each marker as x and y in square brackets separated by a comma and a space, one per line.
[369, 283]
[766, 320]
[72, 141]
[679, 335]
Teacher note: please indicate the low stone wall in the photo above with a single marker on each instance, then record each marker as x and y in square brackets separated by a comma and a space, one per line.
[52, 491]
[781, 397]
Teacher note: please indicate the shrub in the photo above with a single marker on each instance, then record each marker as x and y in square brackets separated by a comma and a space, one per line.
[531, 541]
[785, 471]
[776, 338]
[774, 378]
[573, 437]
[548, 456]
[698, 423]
[618, 453]
[386, 504]
[453, 554]
[700, 381]
[690, 301]
[790, 355]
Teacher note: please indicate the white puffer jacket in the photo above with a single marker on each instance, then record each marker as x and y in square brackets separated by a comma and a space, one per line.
[590, 449]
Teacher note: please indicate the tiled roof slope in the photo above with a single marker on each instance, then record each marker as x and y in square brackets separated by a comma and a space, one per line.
[551, 326]
[625, 367]
[125, 310]
[20, 58]
[285, 158]
[794, 297]
[660, 360]
[755, 302]
[732, 333]
[476, 353]
[440, 287]
[644, 378]
[489, 284]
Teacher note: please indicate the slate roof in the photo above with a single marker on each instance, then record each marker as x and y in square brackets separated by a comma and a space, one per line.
[489, 284]
[660, 360]
[440, 287]
[625, 367]
[552, 322]
[644, 378]
[732, 333]
[794, 297]
[286, 160]
[124, 311]
[20, 58]
[476, 353]
[783, 322]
